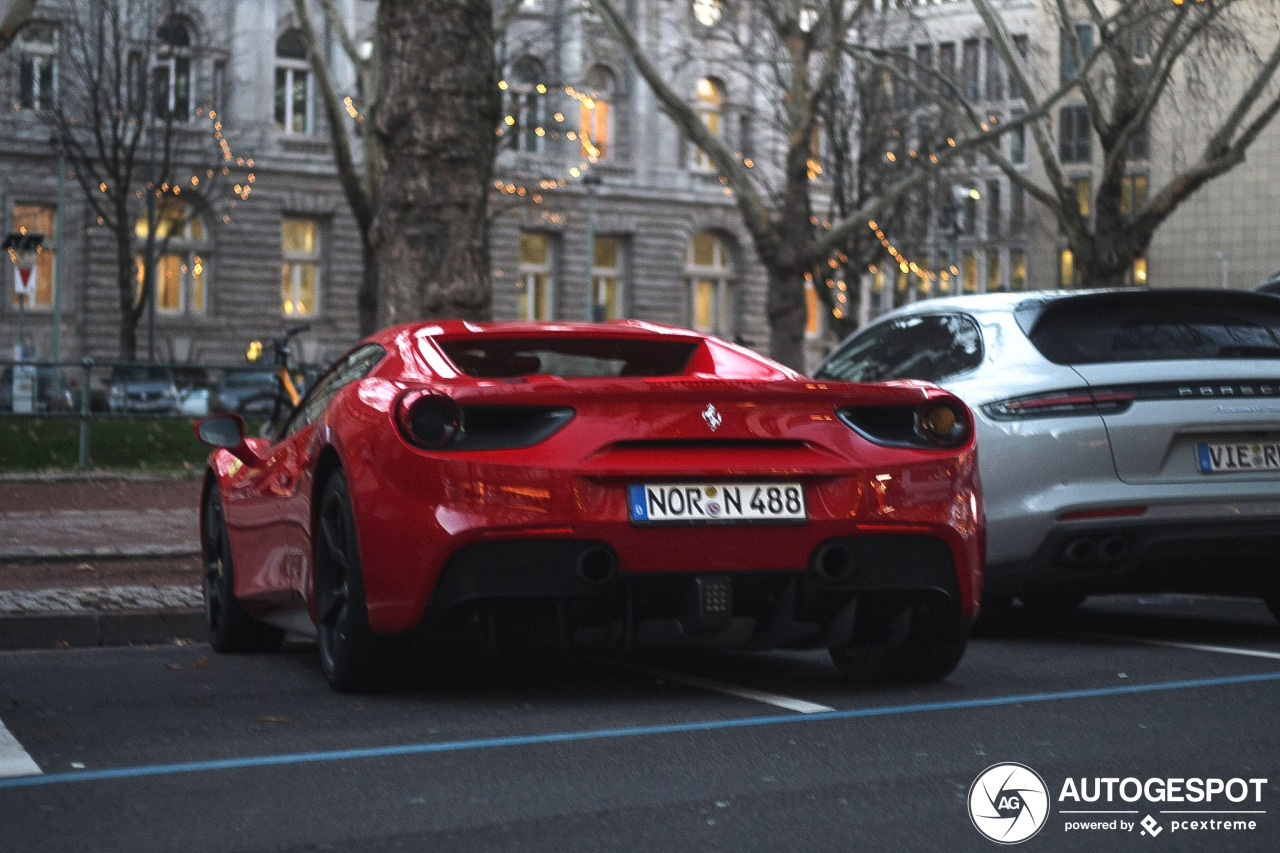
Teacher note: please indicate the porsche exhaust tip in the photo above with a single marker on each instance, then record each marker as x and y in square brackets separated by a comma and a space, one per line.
[834, 563]
[596, 566]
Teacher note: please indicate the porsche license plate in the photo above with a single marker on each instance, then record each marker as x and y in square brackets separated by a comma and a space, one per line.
[675, 503]
[1228, 457]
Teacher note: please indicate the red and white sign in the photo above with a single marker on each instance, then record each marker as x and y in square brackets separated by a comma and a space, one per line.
[24, 280]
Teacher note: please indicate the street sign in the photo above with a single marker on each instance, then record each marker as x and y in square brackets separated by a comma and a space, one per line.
[24, 280]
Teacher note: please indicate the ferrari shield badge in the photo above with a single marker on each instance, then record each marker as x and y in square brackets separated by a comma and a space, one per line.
[712, 417]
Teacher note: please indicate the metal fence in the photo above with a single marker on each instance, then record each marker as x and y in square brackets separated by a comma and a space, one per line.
[90, 389]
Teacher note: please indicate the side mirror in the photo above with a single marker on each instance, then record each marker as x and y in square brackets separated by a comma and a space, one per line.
[221, 430]
[227, 431]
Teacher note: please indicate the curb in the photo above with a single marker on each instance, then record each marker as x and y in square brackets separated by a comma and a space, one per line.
[81, 630]
[38, 552]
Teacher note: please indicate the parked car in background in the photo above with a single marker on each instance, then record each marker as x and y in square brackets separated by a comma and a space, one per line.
[249, 392]
[51, 391]
[194, 402]
[1128, 440]
[142, 389]
[596, 486]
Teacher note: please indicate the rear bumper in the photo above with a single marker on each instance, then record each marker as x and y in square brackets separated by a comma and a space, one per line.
[573, 593]
[1241, 558]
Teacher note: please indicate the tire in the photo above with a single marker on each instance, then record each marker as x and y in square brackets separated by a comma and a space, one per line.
[231, 628]
[1272, 600]
[352, 657]
[922, 642]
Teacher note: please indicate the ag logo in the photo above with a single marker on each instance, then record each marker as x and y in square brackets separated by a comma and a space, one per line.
[1008, 803]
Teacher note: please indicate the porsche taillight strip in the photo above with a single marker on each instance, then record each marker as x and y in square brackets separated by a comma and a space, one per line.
[1113, 400]
[1051, 404]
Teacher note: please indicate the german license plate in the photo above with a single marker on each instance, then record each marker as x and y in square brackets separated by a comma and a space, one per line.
[1229, 457]
[676, 503]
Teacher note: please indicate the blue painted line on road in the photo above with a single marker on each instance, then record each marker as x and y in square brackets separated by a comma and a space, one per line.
[629, 732]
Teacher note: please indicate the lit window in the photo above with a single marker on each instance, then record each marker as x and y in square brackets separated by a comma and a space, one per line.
[1017, 270]
[711, 285]
[995, 281]
[38, 46]
[171, 82]
[38, 219]
[1066, 269]
[1133, 194]
[1084, 196]
[969, 271]
[300, 273]
[534, 283]
[593, 126]
[181, 267]
[293, 84]
[606, 275]
[1139, 274]
[710, 100]
[813, 311]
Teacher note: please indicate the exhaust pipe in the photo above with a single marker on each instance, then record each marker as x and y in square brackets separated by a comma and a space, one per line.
[834, 563]
[1081, 552]
[1114, 549]
[596, 566]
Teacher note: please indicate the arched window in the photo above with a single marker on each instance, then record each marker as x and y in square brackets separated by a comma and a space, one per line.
[709, 269]
[526, 106]
[293, 84]
[171, 82]
[593, 128]
[710, 95]
[182, 267]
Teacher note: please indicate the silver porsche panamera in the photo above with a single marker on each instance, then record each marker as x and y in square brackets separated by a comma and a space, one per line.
[1128, 440]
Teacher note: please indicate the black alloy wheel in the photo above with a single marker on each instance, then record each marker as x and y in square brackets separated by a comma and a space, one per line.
[351, 655]
[231, 628]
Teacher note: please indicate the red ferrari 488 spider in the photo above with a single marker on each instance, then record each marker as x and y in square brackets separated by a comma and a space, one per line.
[612, 486]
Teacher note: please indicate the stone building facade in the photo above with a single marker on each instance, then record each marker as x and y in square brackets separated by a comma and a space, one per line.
[1226, 234]
[668, 243]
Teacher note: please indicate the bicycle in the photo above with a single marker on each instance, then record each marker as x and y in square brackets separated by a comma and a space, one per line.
[284, 398]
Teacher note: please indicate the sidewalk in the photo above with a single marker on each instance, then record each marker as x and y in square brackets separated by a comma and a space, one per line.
[98, 560]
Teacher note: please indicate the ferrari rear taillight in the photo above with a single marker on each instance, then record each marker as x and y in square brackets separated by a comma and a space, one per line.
[432, 421]
[427, 419]
[937, 423]
[1051, 404]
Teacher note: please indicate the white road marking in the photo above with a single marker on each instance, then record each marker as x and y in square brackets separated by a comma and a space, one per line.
[787, 702]
[1196, 647]
[14, 760]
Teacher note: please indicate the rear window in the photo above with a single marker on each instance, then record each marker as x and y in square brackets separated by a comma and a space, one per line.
[506, 358]
[1156, 326]
[929, 348]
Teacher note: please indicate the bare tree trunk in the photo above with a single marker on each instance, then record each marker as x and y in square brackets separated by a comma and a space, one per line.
[437, 108]
[126, 284]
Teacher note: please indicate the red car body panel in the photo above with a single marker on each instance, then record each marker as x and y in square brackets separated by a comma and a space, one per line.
[415, 509]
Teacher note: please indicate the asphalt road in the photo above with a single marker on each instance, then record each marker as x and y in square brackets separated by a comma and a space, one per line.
[175, 748]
